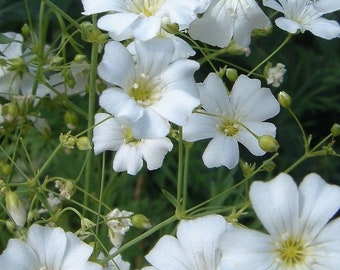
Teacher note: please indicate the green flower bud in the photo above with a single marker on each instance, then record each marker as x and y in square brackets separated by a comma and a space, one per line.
[92, 34]
[335, 130]
[26, 30]
[6, 169]
[79, 58]
[10, 111]
[284, 99]
[56, 61]
[269, 165]
[141, 222]
[16, 208]
[268, 143]
[71, 119]
[231, 74]
[17, 64]
[83, 144]
[247, 169]
[67, 140]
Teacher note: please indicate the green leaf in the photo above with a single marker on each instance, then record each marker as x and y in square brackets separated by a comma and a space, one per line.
[170, 198]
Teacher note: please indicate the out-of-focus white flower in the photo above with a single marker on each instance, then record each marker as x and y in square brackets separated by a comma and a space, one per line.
[141, 19]
[196, 246]
[151, 91]
[297, 220]
[228, 119]
[117, 263]
[274, 75]
[48, 248]
[16, 74]
[118, 222]
[115, 134]
[224, 20]
[302, 15]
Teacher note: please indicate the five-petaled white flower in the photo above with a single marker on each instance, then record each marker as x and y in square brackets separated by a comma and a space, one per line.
[196, 246]
[115, 134]
[302, 15]
[297, 220]
[48, 248]
[228, 119]
[224, 20]
[142, 19]
[151, 91]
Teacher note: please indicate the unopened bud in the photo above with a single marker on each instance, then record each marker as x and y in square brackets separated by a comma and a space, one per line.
[71, 119]
[335, 130]
[141, 222]
[231, 74]
[247, 169]
[83, 143]
[16, 208]
[67, 140]
[26, 30]
[268, 143]
[269, 165]
[79, 58]
[284, 99]
[6, 169]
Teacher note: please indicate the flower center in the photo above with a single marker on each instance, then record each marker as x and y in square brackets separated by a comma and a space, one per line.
[229, 128]
[291, 252]
[146, 7]
[300, 11]
[129, 138]
[145, 91]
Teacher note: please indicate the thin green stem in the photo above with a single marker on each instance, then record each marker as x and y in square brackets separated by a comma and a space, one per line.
[186, 174]
[305, 140]
[271, 55]
[180, 171]
[100, 193]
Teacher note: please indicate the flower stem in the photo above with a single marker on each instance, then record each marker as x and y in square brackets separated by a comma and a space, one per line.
[271, 55]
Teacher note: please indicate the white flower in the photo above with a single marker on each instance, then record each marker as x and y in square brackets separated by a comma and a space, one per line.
[302, 15]
[117, 263]
[142, 19]
[114, 134]
[150, 92]
[274, 75]
[300, 236]
[226, 19]
[196, 246]
[228, 118]
[119, 223]
[47, 248]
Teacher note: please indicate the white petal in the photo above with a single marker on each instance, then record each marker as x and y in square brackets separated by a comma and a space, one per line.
[249, 141]
[128, 158]
[176, 106]
[324, 28]
[153, 56]
[199, 127]
[179, 75]
[150, 126]
[76, 255]
[276, 204]
[182, 48]
[200, 240]
[14, 48]
[326, 6]
[94, 7]
[49, 244]
[325, 249]
[320, 201]
[107, 136]
[118, 103]
[118, 25]
[215, 27]
[213, 95]
[288, 25]
[242, 248]
[273, 4]
[145, 28]
[117, 66]
[168, 254]
[154, 151]
[221, 150]
[19, 256]
[251, 102]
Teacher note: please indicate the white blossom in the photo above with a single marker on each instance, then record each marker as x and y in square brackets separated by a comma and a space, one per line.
[303, 15]
[231, 118]
[297, 219]
[274, 75]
